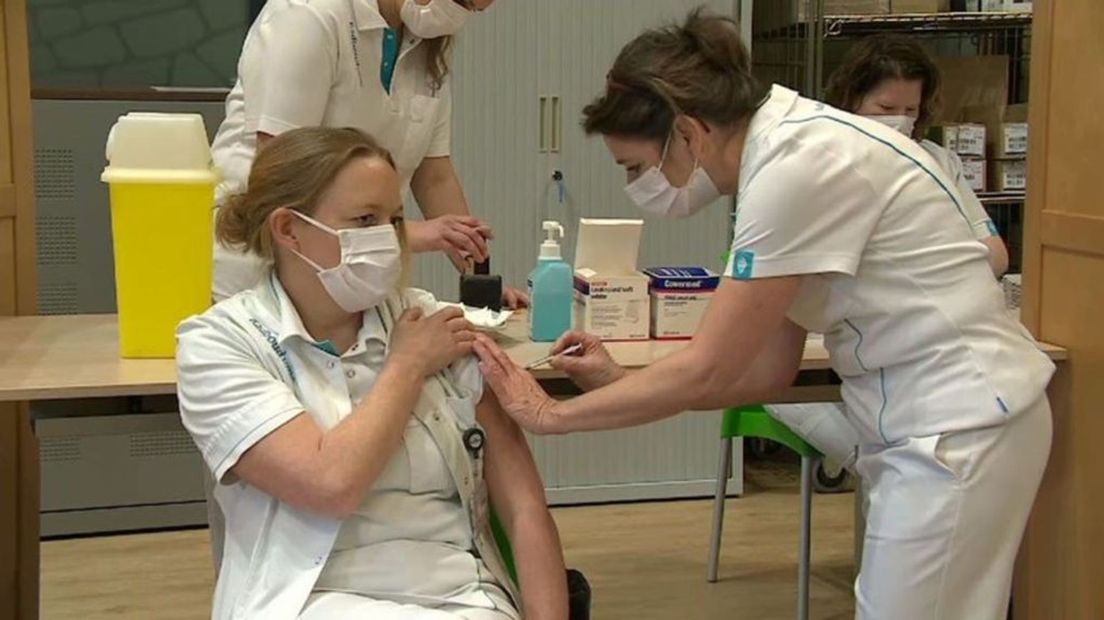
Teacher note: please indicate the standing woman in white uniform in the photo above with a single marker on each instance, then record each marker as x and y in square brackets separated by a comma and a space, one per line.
[356, 453]
[848, 228]
[892, 80]
[380, 66]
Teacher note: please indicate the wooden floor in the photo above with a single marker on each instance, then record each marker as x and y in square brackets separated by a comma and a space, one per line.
[644, 561]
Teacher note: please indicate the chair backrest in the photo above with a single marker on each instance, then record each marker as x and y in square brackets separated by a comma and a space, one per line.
[754, 421]
[504, 546]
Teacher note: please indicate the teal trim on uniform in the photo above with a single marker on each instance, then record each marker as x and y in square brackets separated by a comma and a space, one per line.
[858, 344]
[391, 46]
[992, 228]
[881, 412]
[881, 377]
[797, 121]
[327, 346]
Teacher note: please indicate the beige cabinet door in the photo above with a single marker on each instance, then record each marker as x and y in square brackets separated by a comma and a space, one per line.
[18, 454]
[1061, 562]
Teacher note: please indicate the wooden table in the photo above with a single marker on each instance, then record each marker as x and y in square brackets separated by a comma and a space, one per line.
[66, 357]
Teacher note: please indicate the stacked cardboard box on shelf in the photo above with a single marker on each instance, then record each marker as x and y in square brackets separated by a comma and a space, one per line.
[992, 6]
[919, 6]
[1006, 145]
[769, 16]
[967, 140]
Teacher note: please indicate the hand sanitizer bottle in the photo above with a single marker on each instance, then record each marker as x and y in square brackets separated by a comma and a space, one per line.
[551, 291]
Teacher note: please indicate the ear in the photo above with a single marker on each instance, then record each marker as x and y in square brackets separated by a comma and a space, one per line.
[282, 224]
[695, 132]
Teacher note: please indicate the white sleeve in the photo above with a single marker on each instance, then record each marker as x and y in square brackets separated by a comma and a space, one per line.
[292, 86]
[228, 400]
[805, 211]
[465, 371]
[440, 144]
[979, 219]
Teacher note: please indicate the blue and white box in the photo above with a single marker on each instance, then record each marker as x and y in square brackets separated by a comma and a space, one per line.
[679, 298]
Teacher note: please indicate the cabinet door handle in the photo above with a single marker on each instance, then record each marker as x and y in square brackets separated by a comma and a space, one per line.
[545, 131]
[557, 125]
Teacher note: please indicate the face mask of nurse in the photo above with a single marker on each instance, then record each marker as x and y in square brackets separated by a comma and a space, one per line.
[903, 124]
[653, 193]
[369, 269]
[439, 18]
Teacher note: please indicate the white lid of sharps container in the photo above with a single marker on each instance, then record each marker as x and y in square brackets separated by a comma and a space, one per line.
[151, 147]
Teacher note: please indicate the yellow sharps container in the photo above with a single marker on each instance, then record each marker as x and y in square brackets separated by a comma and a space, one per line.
[162, 186]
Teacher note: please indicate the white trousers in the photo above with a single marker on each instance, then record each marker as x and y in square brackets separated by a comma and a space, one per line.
[946, 516]
[824, 426]
[347, 606]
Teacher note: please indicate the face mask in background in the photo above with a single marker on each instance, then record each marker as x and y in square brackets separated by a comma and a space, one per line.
[653, 193]
[439, 18]
[369, 269]
[903, 124]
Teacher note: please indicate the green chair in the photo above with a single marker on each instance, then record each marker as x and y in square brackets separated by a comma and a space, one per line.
[754, 421]
[578, 589]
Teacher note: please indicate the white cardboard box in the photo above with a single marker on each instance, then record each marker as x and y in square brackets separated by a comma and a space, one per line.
[973, 171]
[680, 296]
[1009, 175]
[611, 295]
[971, 140]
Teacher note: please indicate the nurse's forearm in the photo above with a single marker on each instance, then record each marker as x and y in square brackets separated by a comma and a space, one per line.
[355, 452]
[667, 387]
[330, 471]
[437, 189]
[743, 326]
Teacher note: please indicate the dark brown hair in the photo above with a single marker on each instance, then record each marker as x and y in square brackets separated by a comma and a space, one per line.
[290, 170]
[699, 68]
[882, 57]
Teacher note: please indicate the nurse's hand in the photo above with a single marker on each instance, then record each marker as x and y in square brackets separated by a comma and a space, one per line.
[430, 344]
[458, 236]
[518, 392]
[513, 298]
[592, 367]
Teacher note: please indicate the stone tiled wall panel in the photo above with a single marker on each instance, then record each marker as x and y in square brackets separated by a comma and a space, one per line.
[135, 43]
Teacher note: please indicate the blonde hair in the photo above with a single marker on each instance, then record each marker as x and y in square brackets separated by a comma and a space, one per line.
[292, 170]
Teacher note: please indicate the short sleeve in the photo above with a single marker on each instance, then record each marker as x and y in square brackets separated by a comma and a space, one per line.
[291, 85]
[979, 219]
[805, 211]
[440, 144]
[228, 400]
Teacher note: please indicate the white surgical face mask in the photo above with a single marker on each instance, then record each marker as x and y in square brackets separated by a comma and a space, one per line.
[903, 124]
[369, 269]
[439, 18]
[653, 193]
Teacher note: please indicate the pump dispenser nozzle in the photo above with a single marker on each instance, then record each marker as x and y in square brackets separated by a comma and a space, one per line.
[550, 249]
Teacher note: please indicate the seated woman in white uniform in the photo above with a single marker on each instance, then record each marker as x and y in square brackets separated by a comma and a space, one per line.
[344, 417]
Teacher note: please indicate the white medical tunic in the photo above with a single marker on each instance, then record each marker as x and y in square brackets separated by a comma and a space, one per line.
[976, 214]
[309, 63]
[896, 280]
[246, 367]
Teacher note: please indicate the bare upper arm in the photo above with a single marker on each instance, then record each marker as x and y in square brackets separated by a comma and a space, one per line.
[512, 477]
